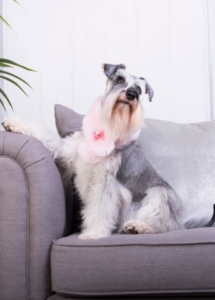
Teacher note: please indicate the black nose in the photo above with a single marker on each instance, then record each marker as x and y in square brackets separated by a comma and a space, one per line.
[131, 94]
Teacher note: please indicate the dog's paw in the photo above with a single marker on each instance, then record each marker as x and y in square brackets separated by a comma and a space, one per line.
[86, 236]
[137, 226]
[91, 235]
[130, 227]
[15, 124]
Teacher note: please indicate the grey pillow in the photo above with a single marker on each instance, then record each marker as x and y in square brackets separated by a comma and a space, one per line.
[183, 154]
[67, 120]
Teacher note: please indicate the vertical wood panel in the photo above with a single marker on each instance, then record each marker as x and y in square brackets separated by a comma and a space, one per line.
[63, 59]
[88, 52]
[189, 60]
[48, 59]
[32, 54]
[80, 51]
[13, 48]
[211, 43]
[163, 40]
[160, 60]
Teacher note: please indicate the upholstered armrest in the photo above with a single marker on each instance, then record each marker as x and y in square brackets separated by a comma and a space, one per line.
[32, 214]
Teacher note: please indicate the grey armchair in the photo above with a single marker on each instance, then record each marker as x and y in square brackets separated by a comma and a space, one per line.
[38, 260]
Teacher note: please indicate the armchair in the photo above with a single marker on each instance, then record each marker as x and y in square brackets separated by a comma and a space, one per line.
[40, 258]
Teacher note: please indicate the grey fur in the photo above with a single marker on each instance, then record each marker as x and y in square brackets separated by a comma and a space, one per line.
[149, 91]
[136, 172]
[138, 175]
[110, 70]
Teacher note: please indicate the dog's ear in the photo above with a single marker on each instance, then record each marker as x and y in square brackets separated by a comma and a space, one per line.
[149, 91]
[110, 70]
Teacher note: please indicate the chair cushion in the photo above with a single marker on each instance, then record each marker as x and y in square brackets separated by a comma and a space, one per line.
[178, 262]
[57, 297]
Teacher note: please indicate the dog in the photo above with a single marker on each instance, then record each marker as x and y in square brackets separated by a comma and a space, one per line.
[119, 189]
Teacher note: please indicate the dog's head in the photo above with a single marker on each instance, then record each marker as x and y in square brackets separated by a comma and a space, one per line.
[115, 119]
[133, 87]
[122, 106]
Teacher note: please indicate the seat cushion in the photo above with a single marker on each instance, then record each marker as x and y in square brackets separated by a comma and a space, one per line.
[178, 262]
[58, 297]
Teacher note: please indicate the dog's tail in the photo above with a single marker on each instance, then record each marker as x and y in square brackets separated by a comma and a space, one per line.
[200, 219]
[211, 222]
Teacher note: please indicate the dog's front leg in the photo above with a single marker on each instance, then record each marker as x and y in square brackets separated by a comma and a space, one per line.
[101, 203]
[99, 217]
[18, 125]
[62, 150]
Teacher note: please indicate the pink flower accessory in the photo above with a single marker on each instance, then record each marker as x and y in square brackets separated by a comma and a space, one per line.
[97, 135]
[99, 140]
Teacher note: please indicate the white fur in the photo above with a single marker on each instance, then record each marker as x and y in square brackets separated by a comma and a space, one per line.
[107, 205]
[105, 200]
[103, 197]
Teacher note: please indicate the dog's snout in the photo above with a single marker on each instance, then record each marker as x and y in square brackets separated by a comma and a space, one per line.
[131, 94]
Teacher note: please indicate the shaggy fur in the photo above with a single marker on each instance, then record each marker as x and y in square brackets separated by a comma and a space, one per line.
[119, 189]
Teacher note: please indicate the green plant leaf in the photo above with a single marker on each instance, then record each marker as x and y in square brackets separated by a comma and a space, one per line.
[11, 74]
[14, 82]
[3, 20]
[3, 65]
[10, 62]
[6, 97]
[19, 4]
[2, 103]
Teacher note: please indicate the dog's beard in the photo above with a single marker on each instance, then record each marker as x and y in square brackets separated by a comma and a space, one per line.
[124, 117]
[111, 123]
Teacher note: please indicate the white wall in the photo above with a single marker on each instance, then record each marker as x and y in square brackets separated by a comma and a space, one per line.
[66, 41]
[211, 38]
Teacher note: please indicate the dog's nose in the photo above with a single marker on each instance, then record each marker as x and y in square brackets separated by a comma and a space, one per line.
[131, 94]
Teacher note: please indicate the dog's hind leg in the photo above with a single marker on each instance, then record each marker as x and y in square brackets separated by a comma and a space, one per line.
[159, 212]
[137, 226]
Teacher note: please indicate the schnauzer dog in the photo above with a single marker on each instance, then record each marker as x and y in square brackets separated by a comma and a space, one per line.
[119, 189]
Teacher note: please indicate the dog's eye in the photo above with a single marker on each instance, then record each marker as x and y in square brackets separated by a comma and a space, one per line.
[120, 80]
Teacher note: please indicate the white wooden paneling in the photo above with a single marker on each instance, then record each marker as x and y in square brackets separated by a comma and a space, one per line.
[211, 39]
[66, 41]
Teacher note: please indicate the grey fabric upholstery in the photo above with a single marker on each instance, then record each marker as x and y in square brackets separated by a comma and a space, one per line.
[32, 214]
[180, 262]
